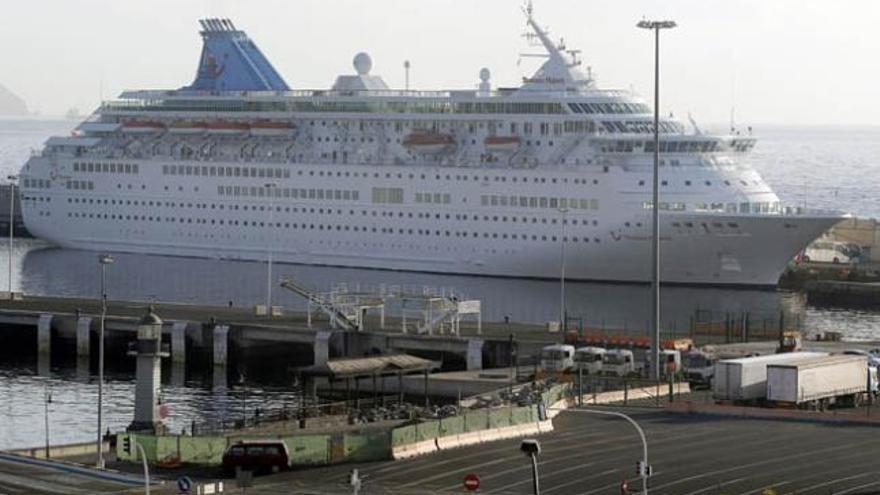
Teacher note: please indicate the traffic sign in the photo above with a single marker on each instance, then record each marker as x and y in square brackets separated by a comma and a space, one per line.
[471, 482]
[184, 484]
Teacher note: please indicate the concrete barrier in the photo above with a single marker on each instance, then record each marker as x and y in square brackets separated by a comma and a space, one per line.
[61, 451]
[413, 449]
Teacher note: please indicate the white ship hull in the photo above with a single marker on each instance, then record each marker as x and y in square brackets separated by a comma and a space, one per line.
[462, 237]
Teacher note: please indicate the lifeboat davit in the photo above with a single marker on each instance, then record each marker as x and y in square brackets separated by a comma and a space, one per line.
[271, 128]
[187, 127]
[227, 127]
[502, 144]
[142, 126]
[429, 142]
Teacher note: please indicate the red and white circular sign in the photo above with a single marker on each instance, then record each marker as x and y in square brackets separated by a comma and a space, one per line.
[471, 482]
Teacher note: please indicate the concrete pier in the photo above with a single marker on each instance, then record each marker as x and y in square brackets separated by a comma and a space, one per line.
[178, 342]
[44, 334]
[475, 354]
[221, 345]
[322, 347]
[83, 336]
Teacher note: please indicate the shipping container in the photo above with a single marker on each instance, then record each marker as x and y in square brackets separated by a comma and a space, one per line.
[818, 380]
[745, 379]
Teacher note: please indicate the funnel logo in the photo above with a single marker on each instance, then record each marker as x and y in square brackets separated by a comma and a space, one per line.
[210, 67]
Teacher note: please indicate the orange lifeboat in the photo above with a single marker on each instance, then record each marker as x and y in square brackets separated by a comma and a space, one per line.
[501, 144]
[271, 128]
[226, 127]
[142, 126]
[429, 142]
[187, 127]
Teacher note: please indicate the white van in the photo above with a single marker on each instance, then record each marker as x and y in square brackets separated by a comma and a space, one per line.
[557, 358]
[589, 359]
[832, 252]
[618, 362]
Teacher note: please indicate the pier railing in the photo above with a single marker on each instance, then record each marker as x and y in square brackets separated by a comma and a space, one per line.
[306, 415]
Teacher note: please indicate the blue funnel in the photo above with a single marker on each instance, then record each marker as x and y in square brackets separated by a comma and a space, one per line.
[230, 61]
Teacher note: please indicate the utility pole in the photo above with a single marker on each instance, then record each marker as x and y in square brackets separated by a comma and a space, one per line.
[563, 314]
[270, 191]
[12, 181]
[656, 26]
[103, 260]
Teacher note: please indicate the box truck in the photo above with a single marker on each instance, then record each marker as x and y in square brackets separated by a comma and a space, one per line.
[745, 379]
[818, 382]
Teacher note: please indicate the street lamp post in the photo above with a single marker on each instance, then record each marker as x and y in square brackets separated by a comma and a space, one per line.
[532, 448]
[46, 402]
[12, 180]
[656, 26]
[634, 424]
[270, 191]
[563, 314]
[103, 260]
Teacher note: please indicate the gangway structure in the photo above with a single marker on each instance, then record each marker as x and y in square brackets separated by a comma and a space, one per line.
[338, 317]
[436, 311]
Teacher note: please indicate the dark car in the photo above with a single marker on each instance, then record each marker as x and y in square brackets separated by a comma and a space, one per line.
[259, 456]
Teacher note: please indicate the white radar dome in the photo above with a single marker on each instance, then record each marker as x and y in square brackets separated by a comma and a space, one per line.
[485, 74]
[362, 63]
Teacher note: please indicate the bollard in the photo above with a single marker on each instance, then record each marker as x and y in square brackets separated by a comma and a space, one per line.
[625, 391]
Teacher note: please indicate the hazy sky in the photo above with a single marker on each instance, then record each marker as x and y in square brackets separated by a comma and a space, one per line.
[778, 61]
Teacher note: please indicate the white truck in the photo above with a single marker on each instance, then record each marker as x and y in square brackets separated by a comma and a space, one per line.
[618, 362]
[589, 359]
[745, 379]
[699, 368]
[557, 358]
[819, 381]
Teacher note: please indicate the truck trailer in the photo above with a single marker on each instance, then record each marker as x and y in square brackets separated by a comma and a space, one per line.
[745, 379]
[818, 382]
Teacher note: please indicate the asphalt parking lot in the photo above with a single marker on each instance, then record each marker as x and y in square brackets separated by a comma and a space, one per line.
[690, 455]
[27, 479]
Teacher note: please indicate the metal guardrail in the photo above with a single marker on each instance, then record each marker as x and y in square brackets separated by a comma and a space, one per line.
[259, 416]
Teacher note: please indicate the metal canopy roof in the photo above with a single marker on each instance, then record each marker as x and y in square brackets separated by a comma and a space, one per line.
[370, 366]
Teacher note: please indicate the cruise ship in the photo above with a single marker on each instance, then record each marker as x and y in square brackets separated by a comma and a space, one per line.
[494, 181]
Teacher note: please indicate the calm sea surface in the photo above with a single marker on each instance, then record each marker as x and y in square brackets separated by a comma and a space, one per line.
[833, 168]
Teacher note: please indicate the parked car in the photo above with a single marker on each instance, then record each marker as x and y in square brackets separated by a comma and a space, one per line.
[259, 456]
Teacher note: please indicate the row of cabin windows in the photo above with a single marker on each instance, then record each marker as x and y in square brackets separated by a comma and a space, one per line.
[339, 228]
[36, 183]
[640, 127]
[330, 211]
[80, 185]
[690, 183]
[278, 173]
[539, 202]
[665, 146]
[106, 167]
[436, 198]
[613, 107]
[212, 171]
[388, 195]
[717, 225]
[288, 192]
[759, 207]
